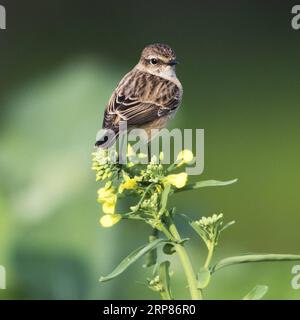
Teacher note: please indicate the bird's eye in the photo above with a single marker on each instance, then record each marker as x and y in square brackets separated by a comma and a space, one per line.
[153, 61]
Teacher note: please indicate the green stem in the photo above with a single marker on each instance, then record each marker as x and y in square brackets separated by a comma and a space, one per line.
[209, 256]
[171, 167]
[142, 198]
[167, 232]
[186, 263]
[165, 296]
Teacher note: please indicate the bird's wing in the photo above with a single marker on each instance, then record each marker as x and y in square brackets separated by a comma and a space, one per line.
[141, 98]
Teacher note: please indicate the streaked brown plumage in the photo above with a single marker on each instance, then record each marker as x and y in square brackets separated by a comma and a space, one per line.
[148, 95]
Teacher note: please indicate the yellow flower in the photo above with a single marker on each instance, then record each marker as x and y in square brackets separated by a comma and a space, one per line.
[158, 188]
[106, 193]
[109, 207]
[108, 198]
[177, 180]
[109, 220]
[184, 156]
[128, 184]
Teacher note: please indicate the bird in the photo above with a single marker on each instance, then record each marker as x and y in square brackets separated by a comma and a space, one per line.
[147, 97]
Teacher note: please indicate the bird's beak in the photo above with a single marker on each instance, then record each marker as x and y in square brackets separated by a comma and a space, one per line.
[173, 63]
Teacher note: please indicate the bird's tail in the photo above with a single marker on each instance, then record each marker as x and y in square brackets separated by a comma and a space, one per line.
[106, 138]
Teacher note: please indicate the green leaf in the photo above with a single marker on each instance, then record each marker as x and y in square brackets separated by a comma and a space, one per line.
[164, 198]
[256, 293]
[183, 241]
[227, 225]
[206, 183]
[254, 258]
[132, 257]
[201, 232]
[203, 278]
[164, 277]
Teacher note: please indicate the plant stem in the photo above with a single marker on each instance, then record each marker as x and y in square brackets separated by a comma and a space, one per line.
[142, 198]
[209, 256]
[186, 263]
[167, 232]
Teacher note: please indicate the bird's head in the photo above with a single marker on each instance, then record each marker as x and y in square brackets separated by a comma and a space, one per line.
[158, 59]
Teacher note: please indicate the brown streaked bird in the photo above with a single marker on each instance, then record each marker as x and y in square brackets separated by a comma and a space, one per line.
[147, 97]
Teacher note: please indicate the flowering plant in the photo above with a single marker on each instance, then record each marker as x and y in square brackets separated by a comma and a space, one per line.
[152, 185]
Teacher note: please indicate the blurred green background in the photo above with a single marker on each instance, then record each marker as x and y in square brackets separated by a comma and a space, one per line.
[60, 61]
